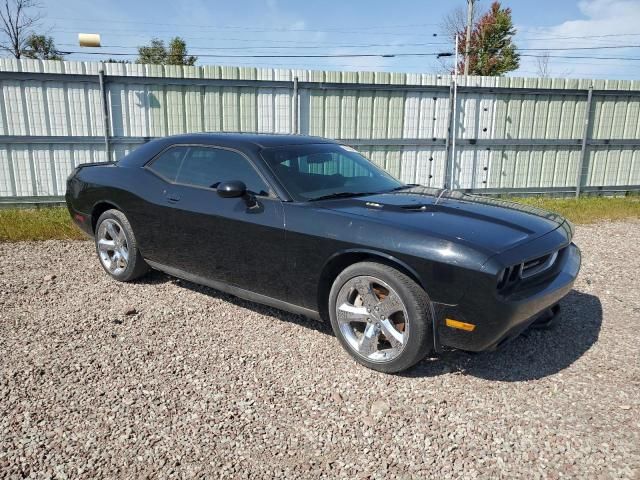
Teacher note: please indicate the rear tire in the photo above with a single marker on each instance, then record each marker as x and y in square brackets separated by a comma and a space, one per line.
[117, 247]
[381, 316]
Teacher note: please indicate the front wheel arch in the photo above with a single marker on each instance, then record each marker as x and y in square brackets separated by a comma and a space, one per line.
[344, 259]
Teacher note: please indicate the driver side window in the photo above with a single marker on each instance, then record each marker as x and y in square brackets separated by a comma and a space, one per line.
[207, 167]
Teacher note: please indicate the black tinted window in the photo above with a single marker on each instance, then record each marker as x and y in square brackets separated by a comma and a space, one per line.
[169, 162]
[207, 167]
[314, 171]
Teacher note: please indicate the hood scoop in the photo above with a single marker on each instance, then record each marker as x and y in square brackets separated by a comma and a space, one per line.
[419, 207]
[411, 207]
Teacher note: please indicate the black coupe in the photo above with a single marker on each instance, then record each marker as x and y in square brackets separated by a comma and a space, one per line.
[310, 226]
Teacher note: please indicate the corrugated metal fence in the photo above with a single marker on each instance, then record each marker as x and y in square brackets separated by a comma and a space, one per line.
[512, 135]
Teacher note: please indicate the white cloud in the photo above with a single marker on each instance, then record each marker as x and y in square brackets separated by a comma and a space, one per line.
[600, 17]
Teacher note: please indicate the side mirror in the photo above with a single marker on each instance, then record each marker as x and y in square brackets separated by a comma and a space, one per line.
[232, 189]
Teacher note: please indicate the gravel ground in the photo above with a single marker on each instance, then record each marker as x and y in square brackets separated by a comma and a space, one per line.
[167, 379]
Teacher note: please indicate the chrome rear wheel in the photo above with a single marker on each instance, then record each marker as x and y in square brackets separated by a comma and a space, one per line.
[113, 248]
[372, 318]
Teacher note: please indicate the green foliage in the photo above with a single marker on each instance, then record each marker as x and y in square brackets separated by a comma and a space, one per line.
[18, 224]
[157, 53]
[115, 60]
[41, 47]
[588, 209]
[177, 53]
[54, 223]
[492, 51]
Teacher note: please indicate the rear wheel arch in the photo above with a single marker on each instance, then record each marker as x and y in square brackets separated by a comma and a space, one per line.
[98, 209]
[342, 260]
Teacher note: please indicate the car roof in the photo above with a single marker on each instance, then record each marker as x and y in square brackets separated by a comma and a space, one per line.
[262, 140]
[244, 142]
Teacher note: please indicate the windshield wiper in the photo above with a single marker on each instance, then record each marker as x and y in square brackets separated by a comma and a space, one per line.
[402, 187]
[358, 194]
[340, 195]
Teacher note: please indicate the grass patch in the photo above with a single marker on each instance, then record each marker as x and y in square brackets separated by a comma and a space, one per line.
[54, 223]
[51, 223]
[588, 209]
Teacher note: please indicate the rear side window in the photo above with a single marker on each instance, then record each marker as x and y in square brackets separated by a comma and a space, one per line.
[168, 163]
[207, 167]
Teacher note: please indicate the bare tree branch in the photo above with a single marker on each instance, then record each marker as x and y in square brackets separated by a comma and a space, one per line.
[18, 18]
[455, 23]
[542, 64]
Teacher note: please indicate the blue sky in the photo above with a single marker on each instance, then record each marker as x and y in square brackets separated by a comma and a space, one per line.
[288, 27]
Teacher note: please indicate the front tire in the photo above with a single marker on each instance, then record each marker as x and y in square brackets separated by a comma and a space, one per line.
[117, 247]
[381, 316]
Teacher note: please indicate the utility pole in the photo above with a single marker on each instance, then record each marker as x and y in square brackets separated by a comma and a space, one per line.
[454, 129]
[467, 43]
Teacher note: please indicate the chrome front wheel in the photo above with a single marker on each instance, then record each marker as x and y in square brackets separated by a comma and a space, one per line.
[372, 318]
[381, 316]
[113, 248]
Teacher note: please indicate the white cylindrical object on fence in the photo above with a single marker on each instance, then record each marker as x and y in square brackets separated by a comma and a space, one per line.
[89, 39]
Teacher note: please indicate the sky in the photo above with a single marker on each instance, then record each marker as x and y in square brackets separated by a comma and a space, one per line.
[567, 30]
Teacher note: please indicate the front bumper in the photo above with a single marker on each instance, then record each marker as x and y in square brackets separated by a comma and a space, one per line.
[499, 319]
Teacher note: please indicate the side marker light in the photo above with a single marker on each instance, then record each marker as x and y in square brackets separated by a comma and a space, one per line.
[468, 327]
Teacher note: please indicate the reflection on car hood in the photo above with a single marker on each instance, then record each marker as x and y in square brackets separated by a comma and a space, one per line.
[488, 223]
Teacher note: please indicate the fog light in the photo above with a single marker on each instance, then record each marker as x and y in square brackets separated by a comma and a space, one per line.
[468, 327]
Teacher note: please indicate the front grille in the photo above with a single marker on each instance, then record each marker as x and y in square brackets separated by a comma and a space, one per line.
[509, 276]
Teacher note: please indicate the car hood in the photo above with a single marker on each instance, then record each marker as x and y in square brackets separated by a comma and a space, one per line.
[489, 224]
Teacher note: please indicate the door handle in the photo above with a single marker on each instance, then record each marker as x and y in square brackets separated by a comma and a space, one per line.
[173, 197]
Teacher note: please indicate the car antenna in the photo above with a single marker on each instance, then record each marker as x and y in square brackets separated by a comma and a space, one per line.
[440, 195]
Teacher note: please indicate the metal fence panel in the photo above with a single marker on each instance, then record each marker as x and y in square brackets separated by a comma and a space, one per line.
[511, 134]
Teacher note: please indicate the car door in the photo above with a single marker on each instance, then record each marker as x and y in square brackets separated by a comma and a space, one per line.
[230, 240]
[150, 210]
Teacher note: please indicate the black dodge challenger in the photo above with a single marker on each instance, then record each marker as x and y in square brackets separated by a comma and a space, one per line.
[307, 225]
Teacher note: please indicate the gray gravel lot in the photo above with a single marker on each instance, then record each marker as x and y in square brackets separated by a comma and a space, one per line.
[168, 379]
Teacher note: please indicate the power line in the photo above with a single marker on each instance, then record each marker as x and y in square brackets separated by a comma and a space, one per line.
[338, 55]
[579, 37]
[243, 27]
[253, 30]
[351, 55]
[259, 40]
[578, 48]
[389, 45]
[287, 46]
[581, 57]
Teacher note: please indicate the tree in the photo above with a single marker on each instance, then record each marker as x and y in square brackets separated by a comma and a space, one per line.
[542, 64]
[492, 51]
[115, 60]
[452, 23]
[17, 21]
[42, 47]
[157, 53]
[456, 21]
[177, 54]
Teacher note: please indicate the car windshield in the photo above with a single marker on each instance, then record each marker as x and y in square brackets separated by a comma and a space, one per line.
[322, 171]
